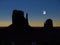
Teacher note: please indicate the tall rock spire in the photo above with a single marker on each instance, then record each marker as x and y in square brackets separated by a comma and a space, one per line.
[27, 18]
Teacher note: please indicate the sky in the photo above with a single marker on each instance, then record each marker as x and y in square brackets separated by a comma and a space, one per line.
[34, 8]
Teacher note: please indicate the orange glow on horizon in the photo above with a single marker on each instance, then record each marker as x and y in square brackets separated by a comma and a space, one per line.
[5, 24]
[33, 24]
[41, 24]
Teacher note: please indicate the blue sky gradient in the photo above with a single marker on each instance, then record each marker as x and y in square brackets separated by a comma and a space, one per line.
[34, 8]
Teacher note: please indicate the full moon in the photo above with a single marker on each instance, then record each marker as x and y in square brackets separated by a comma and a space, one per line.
[44, 12]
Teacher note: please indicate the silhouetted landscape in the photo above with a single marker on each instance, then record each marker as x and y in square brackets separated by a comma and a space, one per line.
[21, 33]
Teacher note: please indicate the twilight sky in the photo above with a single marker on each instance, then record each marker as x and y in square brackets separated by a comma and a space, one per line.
[34, 8]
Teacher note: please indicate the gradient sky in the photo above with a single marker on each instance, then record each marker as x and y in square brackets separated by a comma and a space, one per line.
[34, 8]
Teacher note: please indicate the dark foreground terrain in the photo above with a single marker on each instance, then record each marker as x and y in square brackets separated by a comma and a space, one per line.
[35, 36]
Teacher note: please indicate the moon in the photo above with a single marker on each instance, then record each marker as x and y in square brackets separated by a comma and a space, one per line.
[44, 12]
